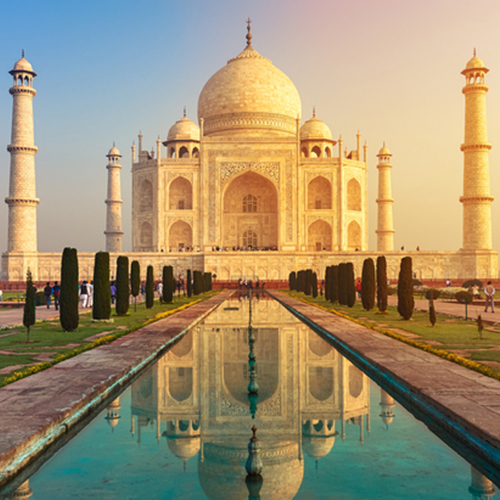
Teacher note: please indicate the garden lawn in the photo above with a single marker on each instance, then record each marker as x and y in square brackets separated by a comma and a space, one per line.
[48, 340]
[454, 335]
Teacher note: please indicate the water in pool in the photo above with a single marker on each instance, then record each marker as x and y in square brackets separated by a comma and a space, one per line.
[325, 430]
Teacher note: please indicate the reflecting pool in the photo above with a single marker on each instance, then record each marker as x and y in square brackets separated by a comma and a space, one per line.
[325, 431]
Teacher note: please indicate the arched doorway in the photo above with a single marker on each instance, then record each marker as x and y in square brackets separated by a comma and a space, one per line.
[180, 194]
[180, 236]
[319, 236]
[250, 212]
[319, 194]
[354, 236]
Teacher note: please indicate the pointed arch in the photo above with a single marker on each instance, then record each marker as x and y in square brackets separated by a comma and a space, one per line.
[180, 194]
[319, 236]
[319, 194]
[146, 196]
[146, 235]
[354, 195]
[316, 152]
[354, 236]
[304, 153]
[183, 152]
[180, 236]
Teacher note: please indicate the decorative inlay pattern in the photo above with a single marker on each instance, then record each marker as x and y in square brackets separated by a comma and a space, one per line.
[186, 175]
[271, 170]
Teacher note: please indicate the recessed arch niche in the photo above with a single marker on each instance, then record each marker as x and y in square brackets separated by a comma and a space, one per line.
[180, 236]
[180, 194]
[319, 194]
[319, 236]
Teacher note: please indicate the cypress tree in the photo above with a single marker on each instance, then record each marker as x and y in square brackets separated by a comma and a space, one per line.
[334, 285]
[432, 312]
[206, 281]
[405, 289]
[290, 280]
[168, 284]
[198, 286]
[189, 285]
[308, 282]
[368, 284]
[135, 281]
[150, 288]
[328, 272]
[122, 286]
[101, 308]
[381, 284]
[350, 285]
[342, 292]
[314, 285]
[29, 314]
[68, 296]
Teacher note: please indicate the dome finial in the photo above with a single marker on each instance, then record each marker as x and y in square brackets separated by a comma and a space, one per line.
[184, 111]
[314, 111]
[474, 51]
[23, 53]
[249, 35]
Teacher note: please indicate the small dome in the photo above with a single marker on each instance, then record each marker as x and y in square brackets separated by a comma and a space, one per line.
[184, 130]
[184, 447]
[114, 151]
[475, 63]
[315, 129]
[317, 447]
[384, 151]
[23, 65]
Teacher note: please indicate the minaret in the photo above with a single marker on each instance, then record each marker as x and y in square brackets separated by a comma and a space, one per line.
[22, 198]
[385, 230]
[387, 408]
[477, 198]
[114, 211]
[481, 487]
[23, 492]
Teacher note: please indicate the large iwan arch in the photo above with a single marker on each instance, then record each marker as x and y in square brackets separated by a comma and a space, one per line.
[250, 206]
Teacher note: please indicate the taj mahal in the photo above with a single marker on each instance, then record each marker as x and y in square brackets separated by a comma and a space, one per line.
[252, 189]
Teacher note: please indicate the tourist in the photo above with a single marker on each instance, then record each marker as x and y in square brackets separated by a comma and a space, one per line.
[47, 291]
[448, 282]
[56, 290]
[113, 292]
[358, 289]
[475, 291]
[489, 291]
[1, 295]
[90, 292]
[84, 294]
[159, 289]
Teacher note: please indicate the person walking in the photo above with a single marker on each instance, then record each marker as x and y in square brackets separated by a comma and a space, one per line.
[358, 289]
[489, 291]
[47, 291]
[84, 295]
[113, 292]
[90, 292]
[56, 290]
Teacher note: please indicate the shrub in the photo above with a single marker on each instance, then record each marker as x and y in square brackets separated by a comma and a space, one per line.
[368, 284]
[189, 284]
[392, 290]
[432, 313]
[350, 285]
[480, 326]
[207, 285]
[198, 282]
[382, 291]
[417, 282]
[432, 294]
[122, 286]
[291, 280]
[29, 314]
[68, 296]
[314, 285]
[328, 272]
[308, 290]
[463, 296]
[342, 292]
[150, 287]
[135, 281]
[168, 284]
[101, 307]
[469, 283]
[406, 301]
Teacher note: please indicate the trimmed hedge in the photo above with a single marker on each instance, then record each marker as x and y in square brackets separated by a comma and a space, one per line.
[122, 286]
[406, 301]
[101, 307]
[68, 296]
[150, 287]
[382, 291]
[368, 284]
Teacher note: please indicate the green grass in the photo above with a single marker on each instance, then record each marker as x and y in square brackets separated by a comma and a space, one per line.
[453, 333]
[50, 334]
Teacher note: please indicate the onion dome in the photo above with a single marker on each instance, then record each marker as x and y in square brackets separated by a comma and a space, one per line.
[113, 151]
[384, 151]
[317, 447]
[184, 130]
[475, 63]
[315, 129]
[22, 65]
[249, 95]
[184, 447]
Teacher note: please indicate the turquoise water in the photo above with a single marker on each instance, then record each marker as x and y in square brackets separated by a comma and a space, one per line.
[325, 430]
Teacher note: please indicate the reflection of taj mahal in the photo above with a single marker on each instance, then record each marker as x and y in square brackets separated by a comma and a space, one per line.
[308, 394]
[251, 175]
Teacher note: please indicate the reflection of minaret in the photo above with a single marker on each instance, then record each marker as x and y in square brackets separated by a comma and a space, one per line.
[114, 231]
[477, 198]
[23, 492]
[481, 488]
[387, 408]
[113, 413]
[22, 198]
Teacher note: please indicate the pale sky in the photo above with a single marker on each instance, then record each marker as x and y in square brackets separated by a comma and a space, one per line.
[388, 68]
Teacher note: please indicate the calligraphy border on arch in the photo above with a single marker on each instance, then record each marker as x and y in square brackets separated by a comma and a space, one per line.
[229, 169]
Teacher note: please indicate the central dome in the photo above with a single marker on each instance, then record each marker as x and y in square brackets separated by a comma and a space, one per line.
[249, 96]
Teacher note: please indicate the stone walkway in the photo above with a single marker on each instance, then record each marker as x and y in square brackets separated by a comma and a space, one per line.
[14, 316]
[39, 409]
[468, 402]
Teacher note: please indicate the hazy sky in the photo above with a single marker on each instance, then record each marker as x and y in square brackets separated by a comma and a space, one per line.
[109, 68]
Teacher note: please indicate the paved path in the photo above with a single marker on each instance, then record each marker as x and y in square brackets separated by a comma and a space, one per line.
[453, 308]
[38, 410]
[468, 402]
[14, 316]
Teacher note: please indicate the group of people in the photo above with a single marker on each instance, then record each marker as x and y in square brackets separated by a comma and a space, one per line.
[87, 294]
[249, 284]
[50, 291]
